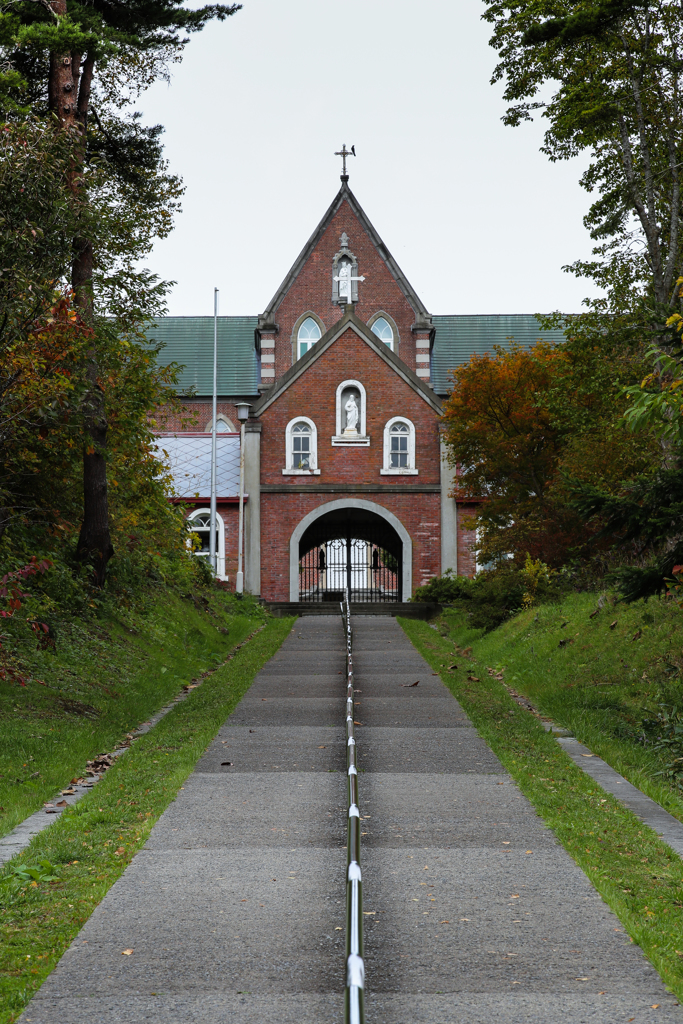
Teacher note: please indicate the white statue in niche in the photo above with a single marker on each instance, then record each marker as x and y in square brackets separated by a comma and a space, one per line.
[352, 414]
[344, 280]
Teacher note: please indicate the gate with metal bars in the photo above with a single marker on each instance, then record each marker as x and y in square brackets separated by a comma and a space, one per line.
[360, 565]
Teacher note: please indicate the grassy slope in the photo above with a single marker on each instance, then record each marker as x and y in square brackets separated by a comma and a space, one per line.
[637, 875]
[598, 683]
[92, 843]
[105, 677]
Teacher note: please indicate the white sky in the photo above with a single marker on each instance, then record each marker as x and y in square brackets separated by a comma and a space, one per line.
[478, 219]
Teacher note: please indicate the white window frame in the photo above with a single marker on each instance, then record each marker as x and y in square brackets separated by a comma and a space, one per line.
[340, 439]
[392, 327]
[289, 453]
[388, 470]
[223, 425]
[308, 316]
[220, 527]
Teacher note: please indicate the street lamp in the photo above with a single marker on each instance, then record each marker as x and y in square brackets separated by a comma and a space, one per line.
[242, 415]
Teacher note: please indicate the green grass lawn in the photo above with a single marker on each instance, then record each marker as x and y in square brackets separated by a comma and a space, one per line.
[91, 843]
[595, 676]
[104, 677]
[638, 876]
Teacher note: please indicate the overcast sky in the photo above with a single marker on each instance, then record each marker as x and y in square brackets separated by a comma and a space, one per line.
[479, 220]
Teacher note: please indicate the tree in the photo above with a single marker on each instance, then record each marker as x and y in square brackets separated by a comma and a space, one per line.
[506, 448]
[615, 70]
[527, 427]
[53, 52]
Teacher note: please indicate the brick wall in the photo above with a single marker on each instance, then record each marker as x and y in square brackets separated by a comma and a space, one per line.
[467, 561]
[199, 412]
[281, 513]
[313, 395]
[312, 290]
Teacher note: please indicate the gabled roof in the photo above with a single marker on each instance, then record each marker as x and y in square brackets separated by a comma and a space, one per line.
[188, 340]
[349, 320]
[459, 337]
[346, 195]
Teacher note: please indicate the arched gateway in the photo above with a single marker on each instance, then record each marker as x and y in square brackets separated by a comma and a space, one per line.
[350, 543]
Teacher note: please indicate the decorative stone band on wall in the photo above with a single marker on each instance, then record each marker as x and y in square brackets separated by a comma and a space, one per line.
[333, 506]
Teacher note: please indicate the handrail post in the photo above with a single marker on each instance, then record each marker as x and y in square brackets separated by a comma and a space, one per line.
[354, 1003]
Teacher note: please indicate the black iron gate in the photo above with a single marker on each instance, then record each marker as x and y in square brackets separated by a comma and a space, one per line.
[369, 571]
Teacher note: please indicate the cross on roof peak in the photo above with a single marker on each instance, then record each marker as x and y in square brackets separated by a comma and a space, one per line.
[343, 153]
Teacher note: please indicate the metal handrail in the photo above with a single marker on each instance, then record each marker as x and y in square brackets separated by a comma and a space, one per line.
[354, 1008]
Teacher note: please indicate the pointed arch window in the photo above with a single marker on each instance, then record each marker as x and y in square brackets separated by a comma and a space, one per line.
[382, 328]
[308, 334]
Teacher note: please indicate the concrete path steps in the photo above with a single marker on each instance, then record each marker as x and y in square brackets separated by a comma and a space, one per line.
[235, 906]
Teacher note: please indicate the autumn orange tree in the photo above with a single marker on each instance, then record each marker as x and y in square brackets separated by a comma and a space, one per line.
[523, 426]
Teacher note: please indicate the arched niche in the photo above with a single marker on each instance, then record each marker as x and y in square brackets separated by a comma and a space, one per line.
[344, 391]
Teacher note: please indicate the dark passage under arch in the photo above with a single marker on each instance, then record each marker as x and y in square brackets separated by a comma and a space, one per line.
[350, 548]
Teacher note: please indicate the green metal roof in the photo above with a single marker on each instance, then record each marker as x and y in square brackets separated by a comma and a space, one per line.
[458, 337]
[188, 340]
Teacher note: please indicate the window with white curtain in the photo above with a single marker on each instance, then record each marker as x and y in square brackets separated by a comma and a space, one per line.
[301, 445]
[399, 447]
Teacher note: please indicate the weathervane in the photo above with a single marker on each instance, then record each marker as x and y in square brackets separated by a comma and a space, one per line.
[343, 153]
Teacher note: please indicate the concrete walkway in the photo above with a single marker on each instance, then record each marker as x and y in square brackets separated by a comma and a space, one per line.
[235, 907]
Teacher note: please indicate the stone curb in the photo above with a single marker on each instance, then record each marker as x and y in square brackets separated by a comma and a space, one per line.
[17, 840]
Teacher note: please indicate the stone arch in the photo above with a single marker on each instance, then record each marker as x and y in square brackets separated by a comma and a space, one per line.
[350, 503]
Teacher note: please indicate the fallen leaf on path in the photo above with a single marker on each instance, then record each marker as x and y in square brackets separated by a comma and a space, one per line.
[68, 792]
[61, 803]
[224, 763]
[580, 979]
[588, 755]
[411, 684]
[338, 928]
[126, 952]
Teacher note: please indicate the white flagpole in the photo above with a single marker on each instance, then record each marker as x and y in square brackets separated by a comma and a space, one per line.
[213, 558]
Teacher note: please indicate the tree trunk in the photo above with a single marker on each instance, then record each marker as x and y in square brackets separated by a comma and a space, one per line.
[94, 541]
[69, 96]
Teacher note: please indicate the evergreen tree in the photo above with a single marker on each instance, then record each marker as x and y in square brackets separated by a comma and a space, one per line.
[54, 51]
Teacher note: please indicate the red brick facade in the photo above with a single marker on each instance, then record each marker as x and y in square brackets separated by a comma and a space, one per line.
[313, 395]
[312, 291]
[350, 476]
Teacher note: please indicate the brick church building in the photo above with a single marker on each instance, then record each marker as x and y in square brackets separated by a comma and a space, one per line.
[346, 480]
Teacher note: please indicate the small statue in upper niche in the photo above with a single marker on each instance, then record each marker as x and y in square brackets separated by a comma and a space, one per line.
[352, 414]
